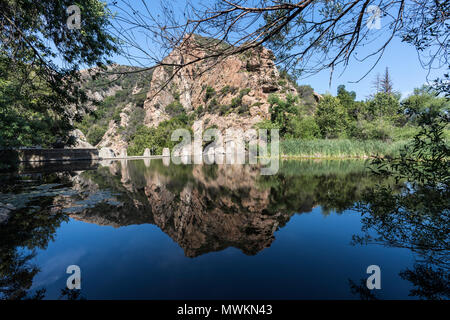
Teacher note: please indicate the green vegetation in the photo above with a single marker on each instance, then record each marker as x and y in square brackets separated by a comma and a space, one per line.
[342, 148]
[341, 126]
[416, 217]
[175, 109]
[212, 106]
[228, 89]
[34, 91]
[210, 92]
[96, 122]
[158, 138]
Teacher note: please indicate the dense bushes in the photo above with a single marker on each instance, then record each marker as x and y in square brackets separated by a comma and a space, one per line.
[157, 138]
[305, 128]
[175, 109]
[332, 118]
[210, 92]
[95, 134]
[381, 117]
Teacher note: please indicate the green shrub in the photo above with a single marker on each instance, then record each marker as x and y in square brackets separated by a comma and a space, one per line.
[331, 118]
[95, 134]
[156, 138]
[213, 106]
[372, 130]
[228, 89]
[139, 99]
[199, 111]
[223, 109]
[243, 109]
[244, 92]
[175, 109]
[135, 120]
[116, 115]
[210, 92]
[303, 128]
[383, 104]
[281, 111]
[266, 124]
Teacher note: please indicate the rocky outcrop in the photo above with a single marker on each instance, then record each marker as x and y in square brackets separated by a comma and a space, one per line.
[112, 139]
[206, 217]
[80, 140]
[120, 92]
[222, 93]
[233, 91]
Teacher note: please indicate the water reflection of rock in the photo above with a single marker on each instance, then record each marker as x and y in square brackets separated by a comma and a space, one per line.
[212, 207]
[203, 208]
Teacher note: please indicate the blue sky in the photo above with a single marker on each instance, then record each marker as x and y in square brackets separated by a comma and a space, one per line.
[404, 68]
[401, 59]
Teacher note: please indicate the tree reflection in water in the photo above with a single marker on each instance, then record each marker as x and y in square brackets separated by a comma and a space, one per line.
[30, 228]
[27, 229]
[416, 217]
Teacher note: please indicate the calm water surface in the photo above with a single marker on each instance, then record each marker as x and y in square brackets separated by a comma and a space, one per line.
[146, 230]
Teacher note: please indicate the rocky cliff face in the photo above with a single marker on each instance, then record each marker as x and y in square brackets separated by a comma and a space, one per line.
[226, 93]
[222, 93]
[120, 92]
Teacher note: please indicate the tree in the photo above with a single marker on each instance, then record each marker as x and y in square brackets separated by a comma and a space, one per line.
[377, 83]
[423, 99]
[386, 83]
[32, 227]
[416, 216]
[413, 213]
[331, 117]
[348, 101]
[281, 111]
[306, 36]
[382, 105]
[383, 83]
[40, 57]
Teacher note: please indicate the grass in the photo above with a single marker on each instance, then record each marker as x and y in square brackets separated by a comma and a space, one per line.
[339, 148]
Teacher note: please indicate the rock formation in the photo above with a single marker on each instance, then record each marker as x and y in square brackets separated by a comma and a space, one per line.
[222, 93]
[221, 207]
[80, 140]
[243, 80]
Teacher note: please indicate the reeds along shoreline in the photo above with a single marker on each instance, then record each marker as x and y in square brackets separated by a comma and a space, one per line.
[339, 149]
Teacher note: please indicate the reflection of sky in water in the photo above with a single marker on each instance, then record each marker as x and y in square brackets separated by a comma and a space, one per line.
[310, 258]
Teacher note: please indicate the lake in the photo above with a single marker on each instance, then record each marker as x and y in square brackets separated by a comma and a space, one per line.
[144, 229]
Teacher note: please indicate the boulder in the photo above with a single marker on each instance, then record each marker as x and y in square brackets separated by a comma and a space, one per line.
[80, 140]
